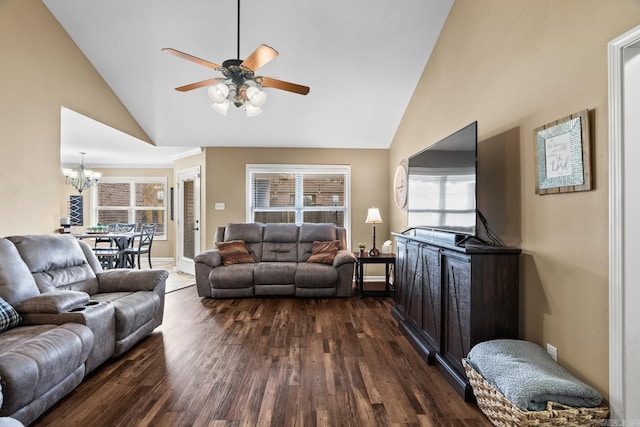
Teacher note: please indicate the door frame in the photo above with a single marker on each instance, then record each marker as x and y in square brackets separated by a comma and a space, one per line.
[186, 174]
[617, 284]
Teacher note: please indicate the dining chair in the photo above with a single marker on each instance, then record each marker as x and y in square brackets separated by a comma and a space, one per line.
[108, 256]
[100, 241]
[126, 228]
[145, 240]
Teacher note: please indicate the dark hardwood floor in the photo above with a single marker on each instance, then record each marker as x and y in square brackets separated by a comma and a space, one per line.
[268, 362]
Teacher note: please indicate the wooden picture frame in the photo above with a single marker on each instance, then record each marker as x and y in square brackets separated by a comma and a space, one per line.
[563, 156]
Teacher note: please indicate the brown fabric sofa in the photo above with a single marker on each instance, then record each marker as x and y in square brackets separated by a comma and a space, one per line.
[74, 317]
[281, 252]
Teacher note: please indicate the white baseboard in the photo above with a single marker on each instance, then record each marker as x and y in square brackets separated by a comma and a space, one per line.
[373, 279]
[161, 259]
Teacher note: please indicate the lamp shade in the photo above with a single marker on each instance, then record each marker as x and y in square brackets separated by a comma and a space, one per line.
[218, 93]
[221, 107]
[373, 216]
[255, 96]
[251, 110]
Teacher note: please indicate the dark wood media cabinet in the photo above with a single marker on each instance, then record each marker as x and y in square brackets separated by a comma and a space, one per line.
[449, 298]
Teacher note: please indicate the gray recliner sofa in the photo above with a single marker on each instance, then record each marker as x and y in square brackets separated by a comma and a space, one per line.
[280, 252]
[74, 317]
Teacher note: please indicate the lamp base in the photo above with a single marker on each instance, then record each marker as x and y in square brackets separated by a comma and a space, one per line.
[374, 252]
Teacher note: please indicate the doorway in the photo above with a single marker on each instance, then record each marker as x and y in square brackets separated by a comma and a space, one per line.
[188, 219]
[624, 229]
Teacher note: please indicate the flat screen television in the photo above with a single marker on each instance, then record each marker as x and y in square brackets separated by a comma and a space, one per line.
[442, 184]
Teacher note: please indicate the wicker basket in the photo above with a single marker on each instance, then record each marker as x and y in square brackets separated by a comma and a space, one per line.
[501, 412]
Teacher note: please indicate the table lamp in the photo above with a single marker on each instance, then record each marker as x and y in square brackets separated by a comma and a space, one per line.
[373, 216]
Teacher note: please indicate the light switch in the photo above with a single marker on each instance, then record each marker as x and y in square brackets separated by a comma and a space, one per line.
[219, 206]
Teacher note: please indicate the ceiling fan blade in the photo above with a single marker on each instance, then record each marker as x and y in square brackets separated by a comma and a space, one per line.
[259, 57]
[191, 58]
[280, 84]
[197, 85]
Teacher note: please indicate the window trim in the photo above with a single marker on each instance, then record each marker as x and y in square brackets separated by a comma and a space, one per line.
[302, 168]
[93, 216]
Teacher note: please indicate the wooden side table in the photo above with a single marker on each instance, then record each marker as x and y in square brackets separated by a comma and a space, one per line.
[389, 261]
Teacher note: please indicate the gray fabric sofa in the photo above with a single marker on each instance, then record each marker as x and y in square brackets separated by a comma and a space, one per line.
[280, 252]
[74, 317]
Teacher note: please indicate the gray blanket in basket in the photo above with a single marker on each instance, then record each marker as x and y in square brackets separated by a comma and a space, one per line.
[528, 376]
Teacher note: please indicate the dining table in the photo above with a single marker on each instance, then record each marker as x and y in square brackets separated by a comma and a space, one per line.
[121, 239]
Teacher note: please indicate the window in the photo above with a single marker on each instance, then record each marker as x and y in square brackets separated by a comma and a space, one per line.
[129, 200]
[298, 193]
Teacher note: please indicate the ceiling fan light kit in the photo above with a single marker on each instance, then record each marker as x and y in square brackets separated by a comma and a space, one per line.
[240, 86]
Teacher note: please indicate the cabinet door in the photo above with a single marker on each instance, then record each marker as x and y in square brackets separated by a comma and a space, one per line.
[414, 283]
[457, 339]
[401, 271]
[431, 296]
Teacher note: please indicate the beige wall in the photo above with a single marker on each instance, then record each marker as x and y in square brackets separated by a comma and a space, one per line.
[226, 172]
[518, 65]
[42, 70]
[161, 248]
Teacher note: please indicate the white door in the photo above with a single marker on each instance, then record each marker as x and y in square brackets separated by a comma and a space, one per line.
[624, 227]
[188, 219]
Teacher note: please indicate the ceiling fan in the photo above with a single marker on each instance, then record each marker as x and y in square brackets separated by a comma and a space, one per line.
[239, 85]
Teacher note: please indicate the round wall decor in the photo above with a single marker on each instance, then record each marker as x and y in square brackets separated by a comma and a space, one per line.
[400, 186]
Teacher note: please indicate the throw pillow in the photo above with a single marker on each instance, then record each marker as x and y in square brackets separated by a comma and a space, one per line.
[324, 252]
[234, 252]
[9, 317]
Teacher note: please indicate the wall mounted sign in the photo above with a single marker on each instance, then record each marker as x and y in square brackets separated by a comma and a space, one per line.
[562, 155]
[75, 209]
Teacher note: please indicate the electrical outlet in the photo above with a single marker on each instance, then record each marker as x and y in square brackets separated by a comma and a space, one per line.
[553, 352]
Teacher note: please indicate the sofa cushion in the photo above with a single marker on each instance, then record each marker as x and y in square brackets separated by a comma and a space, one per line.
[232, 276]
[35, 359]
[280, 243]
[9, 317]
[132, 309]
[56, 262]
[250, 233]
[324, 252]
[280, 233]
[312, 275]
[234, 252]
[49, 252]
[275, 273]
[310, 233]
[16, 282]
[279, 252]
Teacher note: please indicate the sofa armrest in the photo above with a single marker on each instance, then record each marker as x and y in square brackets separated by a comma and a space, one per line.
[211, 258]
[52, 302]
[124, 279]
[343, 257]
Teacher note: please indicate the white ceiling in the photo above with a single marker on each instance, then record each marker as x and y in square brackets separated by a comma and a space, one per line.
[106, 147]
[361, 58]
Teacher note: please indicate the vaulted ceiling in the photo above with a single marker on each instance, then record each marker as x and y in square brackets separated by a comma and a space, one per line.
[362, 60]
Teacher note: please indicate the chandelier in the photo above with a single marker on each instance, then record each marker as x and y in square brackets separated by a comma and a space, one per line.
[81, 177]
